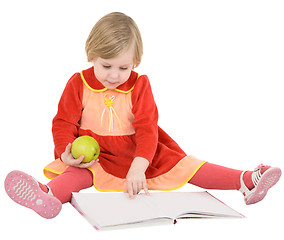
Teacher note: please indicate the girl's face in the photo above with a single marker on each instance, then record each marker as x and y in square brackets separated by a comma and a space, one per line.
[114, 71]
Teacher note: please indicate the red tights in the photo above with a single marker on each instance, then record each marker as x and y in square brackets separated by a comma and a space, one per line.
[73, 179]
[209, 176]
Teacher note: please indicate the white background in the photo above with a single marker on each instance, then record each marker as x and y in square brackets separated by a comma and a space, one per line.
[216, 69]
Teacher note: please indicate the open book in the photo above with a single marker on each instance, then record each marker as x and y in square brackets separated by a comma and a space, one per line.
[110, 210]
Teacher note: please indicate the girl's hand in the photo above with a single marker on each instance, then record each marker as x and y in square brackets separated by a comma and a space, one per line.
[136, 179]
[68, 159]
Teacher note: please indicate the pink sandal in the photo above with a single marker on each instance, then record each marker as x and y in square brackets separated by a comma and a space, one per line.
[24, 190]
[262, 182]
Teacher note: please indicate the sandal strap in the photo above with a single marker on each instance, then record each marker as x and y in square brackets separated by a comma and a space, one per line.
[244, 190]
[49, 191]
[256, 176]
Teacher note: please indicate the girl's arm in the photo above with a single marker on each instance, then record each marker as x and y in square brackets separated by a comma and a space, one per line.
[146, 136]
[65, 124]
[146, 119]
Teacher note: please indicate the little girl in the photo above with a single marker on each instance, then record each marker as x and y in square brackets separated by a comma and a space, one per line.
[115, 105]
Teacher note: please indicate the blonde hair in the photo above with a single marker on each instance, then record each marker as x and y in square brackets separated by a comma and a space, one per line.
[112, 35]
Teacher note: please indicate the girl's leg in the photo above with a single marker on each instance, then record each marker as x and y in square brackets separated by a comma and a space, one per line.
[252, 184]
[211, 176]
[73, 179]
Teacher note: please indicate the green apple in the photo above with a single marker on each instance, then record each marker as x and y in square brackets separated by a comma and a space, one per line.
[87, 146]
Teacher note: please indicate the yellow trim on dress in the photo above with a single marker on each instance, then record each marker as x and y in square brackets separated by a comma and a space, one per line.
[121, 91]
[104, 89]
[88, 86]
[50, 170]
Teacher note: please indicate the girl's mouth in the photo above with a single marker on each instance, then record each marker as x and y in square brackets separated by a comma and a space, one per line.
[111, 83]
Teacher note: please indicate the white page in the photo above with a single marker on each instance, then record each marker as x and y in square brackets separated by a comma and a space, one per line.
[108, 209]
[178, 203]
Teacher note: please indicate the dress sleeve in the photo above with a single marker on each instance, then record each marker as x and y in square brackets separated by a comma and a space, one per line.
[146, 119]
[65, 124]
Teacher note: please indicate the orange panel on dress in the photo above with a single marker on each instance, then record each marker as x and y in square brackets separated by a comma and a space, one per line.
[107, 113]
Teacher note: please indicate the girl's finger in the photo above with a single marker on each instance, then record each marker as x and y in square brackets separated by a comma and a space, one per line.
[135, 188]
[68, 147]
[130, 190]
[145, 188]
[77, 162]
[140, 187]
[87, 165]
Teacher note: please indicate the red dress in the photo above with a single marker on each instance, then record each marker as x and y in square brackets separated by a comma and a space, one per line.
[124, 121]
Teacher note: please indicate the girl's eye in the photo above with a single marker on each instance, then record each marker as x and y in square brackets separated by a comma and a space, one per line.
[106, 66]
[123, 68]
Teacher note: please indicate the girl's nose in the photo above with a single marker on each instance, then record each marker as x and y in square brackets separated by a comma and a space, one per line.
[114, 74]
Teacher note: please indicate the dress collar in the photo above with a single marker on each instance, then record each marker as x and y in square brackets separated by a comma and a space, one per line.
[90, 80]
